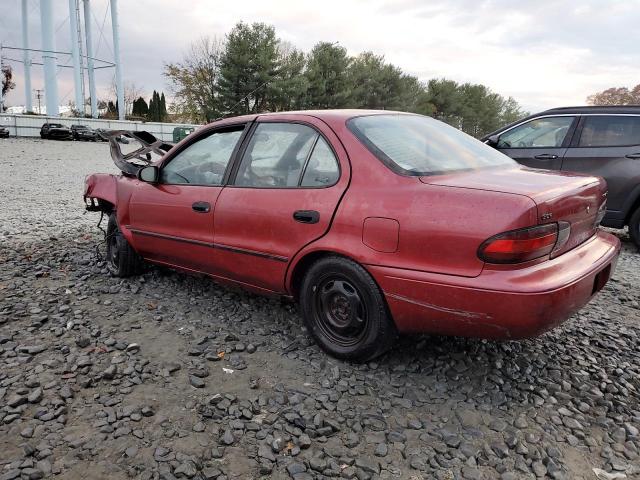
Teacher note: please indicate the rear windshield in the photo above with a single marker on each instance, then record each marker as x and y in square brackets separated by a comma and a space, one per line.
[417, 145]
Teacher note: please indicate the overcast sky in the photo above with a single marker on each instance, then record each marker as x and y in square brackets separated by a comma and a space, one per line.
[544, 53]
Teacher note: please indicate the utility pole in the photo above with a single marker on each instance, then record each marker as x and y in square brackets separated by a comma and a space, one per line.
[75, 54]
[116, 59]
[49, 57]
[39, 96]
[90, 68]
[26, 58]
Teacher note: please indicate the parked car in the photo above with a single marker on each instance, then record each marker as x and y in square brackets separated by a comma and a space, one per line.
[181, 132]
[602, 141]
[375, 222]
[55, 131]
[82, 132]
[4, 132]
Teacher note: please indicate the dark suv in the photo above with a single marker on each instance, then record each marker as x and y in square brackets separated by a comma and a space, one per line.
[603, 141]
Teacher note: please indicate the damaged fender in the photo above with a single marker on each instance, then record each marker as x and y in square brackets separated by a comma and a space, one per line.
[100, 192]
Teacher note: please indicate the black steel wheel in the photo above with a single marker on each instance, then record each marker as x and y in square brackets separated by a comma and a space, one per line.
[345, 311]
[122, 259]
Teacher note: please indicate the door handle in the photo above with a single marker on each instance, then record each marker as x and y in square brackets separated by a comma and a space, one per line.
[633, 155]
[546, 156]
[306, 216]
[201, 207]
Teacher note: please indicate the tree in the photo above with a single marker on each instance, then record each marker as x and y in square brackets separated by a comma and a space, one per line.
[326, 75]
[157, 111]
[473, 108]
[288, 88]
[154, 107]
[193, 81]
[140, 108]
[616, 96]
[7, 81]
[373, 83]
[163, 108]
[248, 68]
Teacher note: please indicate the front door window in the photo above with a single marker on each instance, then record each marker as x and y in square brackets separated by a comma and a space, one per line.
[203, 162]
[548, 132]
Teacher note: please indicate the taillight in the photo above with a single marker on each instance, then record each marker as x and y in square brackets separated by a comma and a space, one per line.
[521, 245]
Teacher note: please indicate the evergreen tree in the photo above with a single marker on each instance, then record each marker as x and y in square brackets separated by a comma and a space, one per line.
[248, 67]
[154, 107]
[326, 76]
[288, 90]
[162, 108]
[140, 108]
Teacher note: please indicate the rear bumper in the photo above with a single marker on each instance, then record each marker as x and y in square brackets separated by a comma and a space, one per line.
[500, 303]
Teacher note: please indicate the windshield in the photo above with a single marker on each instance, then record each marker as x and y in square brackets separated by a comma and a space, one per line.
[418, 145]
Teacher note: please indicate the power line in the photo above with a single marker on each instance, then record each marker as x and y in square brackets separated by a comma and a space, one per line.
[101, 29]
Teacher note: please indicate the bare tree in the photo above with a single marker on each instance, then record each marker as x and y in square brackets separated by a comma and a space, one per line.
[131, 93]
[193, 80]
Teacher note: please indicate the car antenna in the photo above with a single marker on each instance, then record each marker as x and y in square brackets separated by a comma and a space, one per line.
[239, 102]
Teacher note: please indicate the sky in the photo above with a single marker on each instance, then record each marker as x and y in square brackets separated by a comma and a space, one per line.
[544, 53]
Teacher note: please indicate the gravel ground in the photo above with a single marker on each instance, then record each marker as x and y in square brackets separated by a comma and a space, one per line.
[170, 376]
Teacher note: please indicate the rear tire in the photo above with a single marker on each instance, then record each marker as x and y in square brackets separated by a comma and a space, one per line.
[634, 228]
[344, 310]
[122, 259]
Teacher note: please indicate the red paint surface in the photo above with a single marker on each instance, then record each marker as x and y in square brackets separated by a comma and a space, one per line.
[432, 277]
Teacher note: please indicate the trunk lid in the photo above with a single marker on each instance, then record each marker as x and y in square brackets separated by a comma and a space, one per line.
[559, 196]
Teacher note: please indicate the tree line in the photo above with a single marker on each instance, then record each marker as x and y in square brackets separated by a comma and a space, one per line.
[251, 70]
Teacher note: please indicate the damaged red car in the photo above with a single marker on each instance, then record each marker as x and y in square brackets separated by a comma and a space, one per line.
[376, 222]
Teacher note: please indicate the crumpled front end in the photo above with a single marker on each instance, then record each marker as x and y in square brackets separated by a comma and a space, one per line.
[100, 192]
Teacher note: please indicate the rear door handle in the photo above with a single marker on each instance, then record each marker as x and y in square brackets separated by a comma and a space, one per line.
[201, 207]
[546, 156]
[306, 216]
[633, 155]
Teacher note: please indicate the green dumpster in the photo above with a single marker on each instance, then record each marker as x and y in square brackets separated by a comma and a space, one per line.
[181, 132]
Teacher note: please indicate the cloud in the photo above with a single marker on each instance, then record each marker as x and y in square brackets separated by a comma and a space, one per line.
[544, 53]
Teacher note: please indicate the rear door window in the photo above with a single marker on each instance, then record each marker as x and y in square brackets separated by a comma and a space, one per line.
[610, 131]
[547, 132]
[322, 169]
[287, 155]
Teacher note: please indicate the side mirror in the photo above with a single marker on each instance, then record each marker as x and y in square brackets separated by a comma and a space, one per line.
[493, 140]
[150, 174]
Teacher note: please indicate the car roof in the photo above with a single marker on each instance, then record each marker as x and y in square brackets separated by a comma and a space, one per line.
[326, 115]
[601, 109]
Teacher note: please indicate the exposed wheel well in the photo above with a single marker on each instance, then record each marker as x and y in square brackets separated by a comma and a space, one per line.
[305, 263]
[301, 268]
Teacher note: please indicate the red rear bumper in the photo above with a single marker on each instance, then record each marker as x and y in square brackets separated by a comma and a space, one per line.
[500, 303]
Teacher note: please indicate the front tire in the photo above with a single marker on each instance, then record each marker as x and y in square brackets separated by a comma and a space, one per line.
[634, 228]
[344, 310]
[122, 259]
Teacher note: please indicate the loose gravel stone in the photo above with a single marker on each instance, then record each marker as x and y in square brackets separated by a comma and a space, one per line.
[97, 373]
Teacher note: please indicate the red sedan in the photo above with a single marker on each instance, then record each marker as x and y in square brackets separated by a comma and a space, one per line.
[376, 222]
